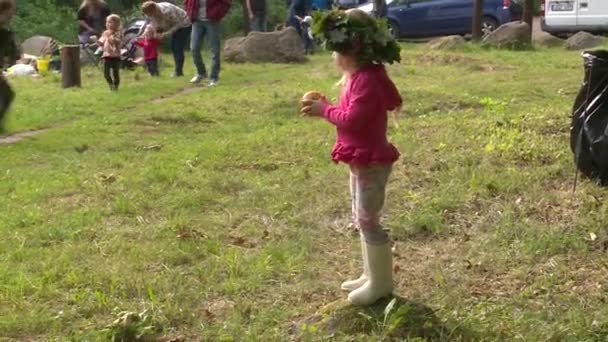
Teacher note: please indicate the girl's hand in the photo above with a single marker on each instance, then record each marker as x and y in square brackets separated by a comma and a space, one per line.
[312, 108]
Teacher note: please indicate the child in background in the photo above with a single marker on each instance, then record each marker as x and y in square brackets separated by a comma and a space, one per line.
[361, 122]
[8, 53]
[111, 41]
[306, 24]
[150, 43]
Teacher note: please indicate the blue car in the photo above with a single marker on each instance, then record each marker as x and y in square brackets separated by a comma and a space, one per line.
[431, 18]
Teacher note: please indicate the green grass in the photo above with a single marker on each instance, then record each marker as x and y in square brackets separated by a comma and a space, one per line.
[216, 214]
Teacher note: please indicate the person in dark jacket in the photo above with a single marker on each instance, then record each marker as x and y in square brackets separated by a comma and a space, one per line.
[8, 52]
[298, 9]
[92, 16]
[257, 15]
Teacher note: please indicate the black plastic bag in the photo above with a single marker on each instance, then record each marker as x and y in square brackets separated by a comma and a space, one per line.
[589, 127]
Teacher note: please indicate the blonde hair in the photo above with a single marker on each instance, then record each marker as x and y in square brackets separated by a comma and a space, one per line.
[115, 18]
[150, 31]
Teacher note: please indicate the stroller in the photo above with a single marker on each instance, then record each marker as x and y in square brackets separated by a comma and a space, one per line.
[129, 51]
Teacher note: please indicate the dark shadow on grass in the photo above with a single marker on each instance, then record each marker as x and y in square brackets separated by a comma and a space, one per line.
[391, 319]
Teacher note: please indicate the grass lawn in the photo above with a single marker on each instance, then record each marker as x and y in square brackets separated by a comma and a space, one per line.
[216, 214]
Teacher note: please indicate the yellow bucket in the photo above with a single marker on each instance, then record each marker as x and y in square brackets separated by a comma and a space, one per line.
[43, 65]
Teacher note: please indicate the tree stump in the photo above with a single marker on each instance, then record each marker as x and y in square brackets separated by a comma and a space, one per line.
[70, 66]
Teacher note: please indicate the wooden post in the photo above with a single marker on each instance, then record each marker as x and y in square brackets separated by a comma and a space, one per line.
[477, 19]
[70, 66]
[528, 16]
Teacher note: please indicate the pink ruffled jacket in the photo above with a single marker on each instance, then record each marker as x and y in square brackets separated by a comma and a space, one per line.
[361, 118]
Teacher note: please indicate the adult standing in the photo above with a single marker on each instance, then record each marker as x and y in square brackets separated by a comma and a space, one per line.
[257, 15]
[92, 16]
[298, 9]
[170, 20]
[206, 17]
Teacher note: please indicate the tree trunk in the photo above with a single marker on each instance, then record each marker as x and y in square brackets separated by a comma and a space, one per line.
[528, 16]
[70, 66]
[246, 25]
[477, 19]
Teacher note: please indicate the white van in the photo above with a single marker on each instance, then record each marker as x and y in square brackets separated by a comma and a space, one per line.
[561, 17]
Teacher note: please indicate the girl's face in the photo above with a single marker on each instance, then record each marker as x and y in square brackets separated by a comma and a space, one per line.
[112, 25]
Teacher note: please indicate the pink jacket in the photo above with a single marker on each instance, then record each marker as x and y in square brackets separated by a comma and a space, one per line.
[361, 118]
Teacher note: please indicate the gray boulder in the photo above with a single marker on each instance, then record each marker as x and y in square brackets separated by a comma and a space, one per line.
[38, 46]
[283, 46]
[510, 35]
[582, 41]
[446, 43]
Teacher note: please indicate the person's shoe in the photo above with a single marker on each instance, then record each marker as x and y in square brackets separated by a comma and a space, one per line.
[197, 79]
[352, 285]
[380, 282]
[176, 75]
[213, 83]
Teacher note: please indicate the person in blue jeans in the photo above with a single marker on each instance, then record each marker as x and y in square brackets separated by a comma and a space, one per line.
[298, 9]
[170, 20]
[206, 17]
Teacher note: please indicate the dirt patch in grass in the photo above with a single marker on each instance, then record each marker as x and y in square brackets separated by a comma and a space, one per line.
[474, 64]
[17, 137]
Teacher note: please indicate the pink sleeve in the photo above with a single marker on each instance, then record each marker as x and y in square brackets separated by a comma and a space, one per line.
[392, 98]
[139, 43]
[362, 104]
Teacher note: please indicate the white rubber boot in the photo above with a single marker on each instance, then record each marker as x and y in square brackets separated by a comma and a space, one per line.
[352, 285]
[380, 282]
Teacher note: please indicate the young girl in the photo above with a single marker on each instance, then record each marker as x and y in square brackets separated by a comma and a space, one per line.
[110, 42]
[8, 52]
[361, 122]
[150, 43]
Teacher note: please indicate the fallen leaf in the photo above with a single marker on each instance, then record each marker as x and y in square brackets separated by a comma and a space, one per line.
[396, 269]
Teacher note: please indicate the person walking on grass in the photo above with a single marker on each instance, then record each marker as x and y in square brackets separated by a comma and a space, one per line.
[170, 20]
[110, 42]
[206, 17]
[149, 43]
[257, 15]
[361, 122]
[9, 52]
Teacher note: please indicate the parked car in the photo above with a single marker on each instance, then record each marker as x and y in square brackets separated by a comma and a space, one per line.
[431, 18]
[562, 17]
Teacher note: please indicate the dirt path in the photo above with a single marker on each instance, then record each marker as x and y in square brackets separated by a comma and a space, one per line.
[14, 138]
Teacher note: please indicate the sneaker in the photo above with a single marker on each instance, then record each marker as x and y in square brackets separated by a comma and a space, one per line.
[213, 83]
[197, 79]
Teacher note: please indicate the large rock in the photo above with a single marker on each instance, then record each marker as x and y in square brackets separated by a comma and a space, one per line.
[510, 35]
[284, 46]
[446, 43]
[546, 40]
[38, 46]
[583, 40]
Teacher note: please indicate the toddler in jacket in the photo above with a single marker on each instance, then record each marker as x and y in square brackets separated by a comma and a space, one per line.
[361, 119]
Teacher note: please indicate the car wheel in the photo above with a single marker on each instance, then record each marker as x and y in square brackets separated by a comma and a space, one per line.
[393, 29]
[488, 25]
